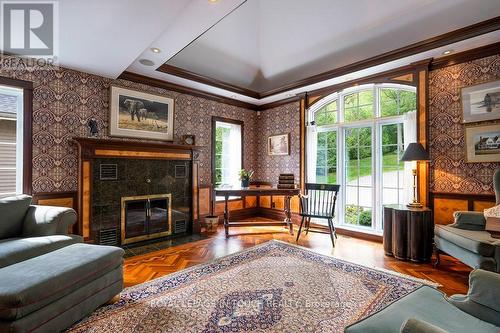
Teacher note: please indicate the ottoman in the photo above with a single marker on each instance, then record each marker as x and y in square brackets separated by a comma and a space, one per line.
[50, 292]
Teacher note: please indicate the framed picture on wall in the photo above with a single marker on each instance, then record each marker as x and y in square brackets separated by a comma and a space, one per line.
[141, 115]
[481, 102]
[483, 143]
[278, 144]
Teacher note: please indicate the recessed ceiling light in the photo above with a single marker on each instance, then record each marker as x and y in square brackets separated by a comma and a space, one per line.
[447, 52]
[146, 62]
[213, 1]
[155, 50]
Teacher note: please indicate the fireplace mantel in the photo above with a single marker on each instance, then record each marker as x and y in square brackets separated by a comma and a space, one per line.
[93, 149]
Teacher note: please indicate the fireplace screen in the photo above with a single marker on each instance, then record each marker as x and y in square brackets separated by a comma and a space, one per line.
[145, 217]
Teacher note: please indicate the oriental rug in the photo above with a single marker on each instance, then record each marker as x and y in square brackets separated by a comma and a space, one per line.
[272, 287]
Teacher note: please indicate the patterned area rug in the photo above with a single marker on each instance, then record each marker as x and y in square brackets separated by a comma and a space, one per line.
[272, 287]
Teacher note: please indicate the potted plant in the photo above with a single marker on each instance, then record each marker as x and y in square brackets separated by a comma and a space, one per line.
[245, 176]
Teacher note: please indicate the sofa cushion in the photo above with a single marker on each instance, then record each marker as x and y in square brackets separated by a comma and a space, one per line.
[32, 284]
[14, 250]
[12, 211]
[479, 242]
[424, 304]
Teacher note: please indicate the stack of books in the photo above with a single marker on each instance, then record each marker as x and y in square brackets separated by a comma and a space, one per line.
[286, 181]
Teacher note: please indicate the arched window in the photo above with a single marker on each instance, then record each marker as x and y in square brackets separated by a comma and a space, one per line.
[356, 139]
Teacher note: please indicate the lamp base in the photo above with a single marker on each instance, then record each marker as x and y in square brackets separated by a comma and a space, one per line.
[415, 205]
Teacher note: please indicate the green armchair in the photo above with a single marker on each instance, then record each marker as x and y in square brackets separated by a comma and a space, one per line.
[427, 310]
[467, 240]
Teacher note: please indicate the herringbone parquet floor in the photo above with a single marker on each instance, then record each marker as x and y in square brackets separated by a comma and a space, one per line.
[451, 274]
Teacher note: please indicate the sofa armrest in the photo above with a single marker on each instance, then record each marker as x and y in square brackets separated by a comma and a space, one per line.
[483, 298]
[469, 220]
[413, 325]
[48, 220]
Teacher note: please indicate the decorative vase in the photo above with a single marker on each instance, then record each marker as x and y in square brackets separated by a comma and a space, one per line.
[245, 182]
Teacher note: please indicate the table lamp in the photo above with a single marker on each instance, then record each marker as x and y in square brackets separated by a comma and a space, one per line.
[415, 152]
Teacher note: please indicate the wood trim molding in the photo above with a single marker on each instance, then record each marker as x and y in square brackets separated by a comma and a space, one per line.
[180, 72]
[27, 87]
[138, 78]
[411, 49]
[457, 58]
[405, 51]
[275, 104]
[437, 63]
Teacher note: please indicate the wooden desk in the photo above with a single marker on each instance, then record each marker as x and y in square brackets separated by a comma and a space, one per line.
[243, 192]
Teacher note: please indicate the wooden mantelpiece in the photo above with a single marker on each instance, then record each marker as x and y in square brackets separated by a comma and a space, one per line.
[90, 149]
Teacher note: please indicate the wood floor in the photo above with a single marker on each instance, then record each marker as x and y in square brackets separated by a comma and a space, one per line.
[451, 274]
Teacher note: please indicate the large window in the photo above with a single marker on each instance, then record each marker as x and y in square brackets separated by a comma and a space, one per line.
[356, 139]
[11, 141]
[227, 151]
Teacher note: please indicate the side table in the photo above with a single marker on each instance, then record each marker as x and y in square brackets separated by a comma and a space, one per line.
[408, 232]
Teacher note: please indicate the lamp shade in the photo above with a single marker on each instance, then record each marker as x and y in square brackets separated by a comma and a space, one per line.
[415, 152]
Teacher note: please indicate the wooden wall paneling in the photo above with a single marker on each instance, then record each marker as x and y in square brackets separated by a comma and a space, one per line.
[195, 201]
[58, 202]
[204, 200]
[444, 209]
[422, 129]
[295, 205]
[265, 202]
[250, 202]
[278, 202]
[445, 204]
[480, 205]
[86, 177]
[303, 111]
[232, 206]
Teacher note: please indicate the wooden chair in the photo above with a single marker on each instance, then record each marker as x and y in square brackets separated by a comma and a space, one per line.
[318, 202]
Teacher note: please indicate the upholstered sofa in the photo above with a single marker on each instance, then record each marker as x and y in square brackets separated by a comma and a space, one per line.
[467, 240]
[427, 310]
[49, 279]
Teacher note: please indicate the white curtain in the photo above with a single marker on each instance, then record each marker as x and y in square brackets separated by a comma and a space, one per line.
[409, 136]
[231, 154]
[312, 143]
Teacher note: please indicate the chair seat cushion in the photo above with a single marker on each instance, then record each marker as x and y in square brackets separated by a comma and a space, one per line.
[479, 242]
[14, 250]
[424, 304]
[32, 284]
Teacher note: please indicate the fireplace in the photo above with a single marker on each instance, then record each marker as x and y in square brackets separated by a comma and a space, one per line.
[145, 217]
[131, 191]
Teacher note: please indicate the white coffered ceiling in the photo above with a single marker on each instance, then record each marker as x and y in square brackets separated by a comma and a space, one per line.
[257, 44]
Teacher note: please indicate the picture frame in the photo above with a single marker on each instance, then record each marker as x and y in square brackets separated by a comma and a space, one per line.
[278, 145]
[141, 115]
[482, 143]
[481, 102]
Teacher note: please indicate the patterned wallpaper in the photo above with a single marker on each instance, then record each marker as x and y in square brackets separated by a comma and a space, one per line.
[64, 100]
[449, 170]
[279, 120]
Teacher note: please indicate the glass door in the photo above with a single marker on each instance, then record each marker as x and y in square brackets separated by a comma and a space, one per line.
[358, 176]
[392, 167]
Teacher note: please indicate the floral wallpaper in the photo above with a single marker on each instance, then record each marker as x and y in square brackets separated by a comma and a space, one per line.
[279, 120]
[449, 170]
[64, 100]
